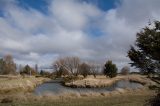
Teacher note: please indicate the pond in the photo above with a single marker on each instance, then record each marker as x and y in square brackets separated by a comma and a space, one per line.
[55, 87]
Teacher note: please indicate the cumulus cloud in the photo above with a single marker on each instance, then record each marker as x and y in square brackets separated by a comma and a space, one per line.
[138, 11]
[73, 27]
[72, 14]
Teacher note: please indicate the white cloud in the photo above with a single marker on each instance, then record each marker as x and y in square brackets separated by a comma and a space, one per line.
[138, 11]
[72, 14]
[33, 37]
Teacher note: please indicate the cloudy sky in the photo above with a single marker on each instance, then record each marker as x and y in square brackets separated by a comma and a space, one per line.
[40, 31]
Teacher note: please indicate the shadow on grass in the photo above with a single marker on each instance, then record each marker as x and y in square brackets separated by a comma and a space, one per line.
[154, 101]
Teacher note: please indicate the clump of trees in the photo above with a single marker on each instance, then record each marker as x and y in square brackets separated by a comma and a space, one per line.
[145, 54]
[125, 70]
[28, 70]
[73, 66]
[110, 69]
[7, 65]
[70, 64]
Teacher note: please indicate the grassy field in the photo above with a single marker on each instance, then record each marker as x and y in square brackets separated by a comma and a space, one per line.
[121, 100]
[130, 98]
[116, 98]
[9, 84]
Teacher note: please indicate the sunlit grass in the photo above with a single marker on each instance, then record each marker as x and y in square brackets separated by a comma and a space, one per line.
[121, 100]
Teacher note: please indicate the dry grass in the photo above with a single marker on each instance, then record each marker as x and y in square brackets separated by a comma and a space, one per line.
[119, 97]
[101, 81]
[14, 84]
[136, 98]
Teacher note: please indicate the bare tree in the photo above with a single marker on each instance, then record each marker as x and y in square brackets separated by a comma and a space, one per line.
[125, 70]
[95, 68]
[36, 68]
[71, 64]
[84, 69]
[10, 66]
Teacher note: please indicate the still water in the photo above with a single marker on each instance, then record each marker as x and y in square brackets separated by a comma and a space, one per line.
[55, 87]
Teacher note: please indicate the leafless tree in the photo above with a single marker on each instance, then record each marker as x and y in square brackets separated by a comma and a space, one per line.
[36, 68]
[125, 70]
[94, 68]
[71, 64]
[84, 69]
[10, 66]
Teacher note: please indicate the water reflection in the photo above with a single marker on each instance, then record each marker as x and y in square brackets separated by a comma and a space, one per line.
[56, 87]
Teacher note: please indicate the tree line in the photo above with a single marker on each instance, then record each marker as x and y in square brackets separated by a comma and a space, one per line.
[8, 66]
[74, 67]
[71, 66]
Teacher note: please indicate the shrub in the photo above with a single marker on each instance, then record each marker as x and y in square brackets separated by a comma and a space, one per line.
[84, 69]
[125, 70]
[110, 69]
[71, 78]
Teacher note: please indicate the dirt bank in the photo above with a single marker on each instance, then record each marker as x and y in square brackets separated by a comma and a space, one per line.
[10, 84]
[102, 81]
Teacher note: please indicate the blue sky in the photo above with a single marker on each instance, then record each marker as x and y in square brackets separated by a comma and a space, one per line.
[40, 31]
[41, 5]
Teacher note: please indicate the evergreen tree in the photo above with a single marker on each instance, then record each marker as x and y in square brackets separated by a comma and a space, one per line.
[28, 70]
[110, 69]
[146, 53]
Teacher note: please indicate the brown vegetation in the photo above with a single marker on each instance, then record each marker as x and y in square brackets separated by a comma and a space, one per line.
[10, 84]
[134, 97]
[102, 81]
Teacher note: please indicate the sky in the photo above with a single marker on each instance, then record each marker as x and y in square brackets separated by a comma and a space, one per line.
[41, 31]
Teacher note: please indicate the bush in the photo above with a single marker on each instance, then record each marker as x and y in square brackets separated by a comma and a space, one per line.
[110, 69]
[125, 70]
[72, 78]
[84, 69]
